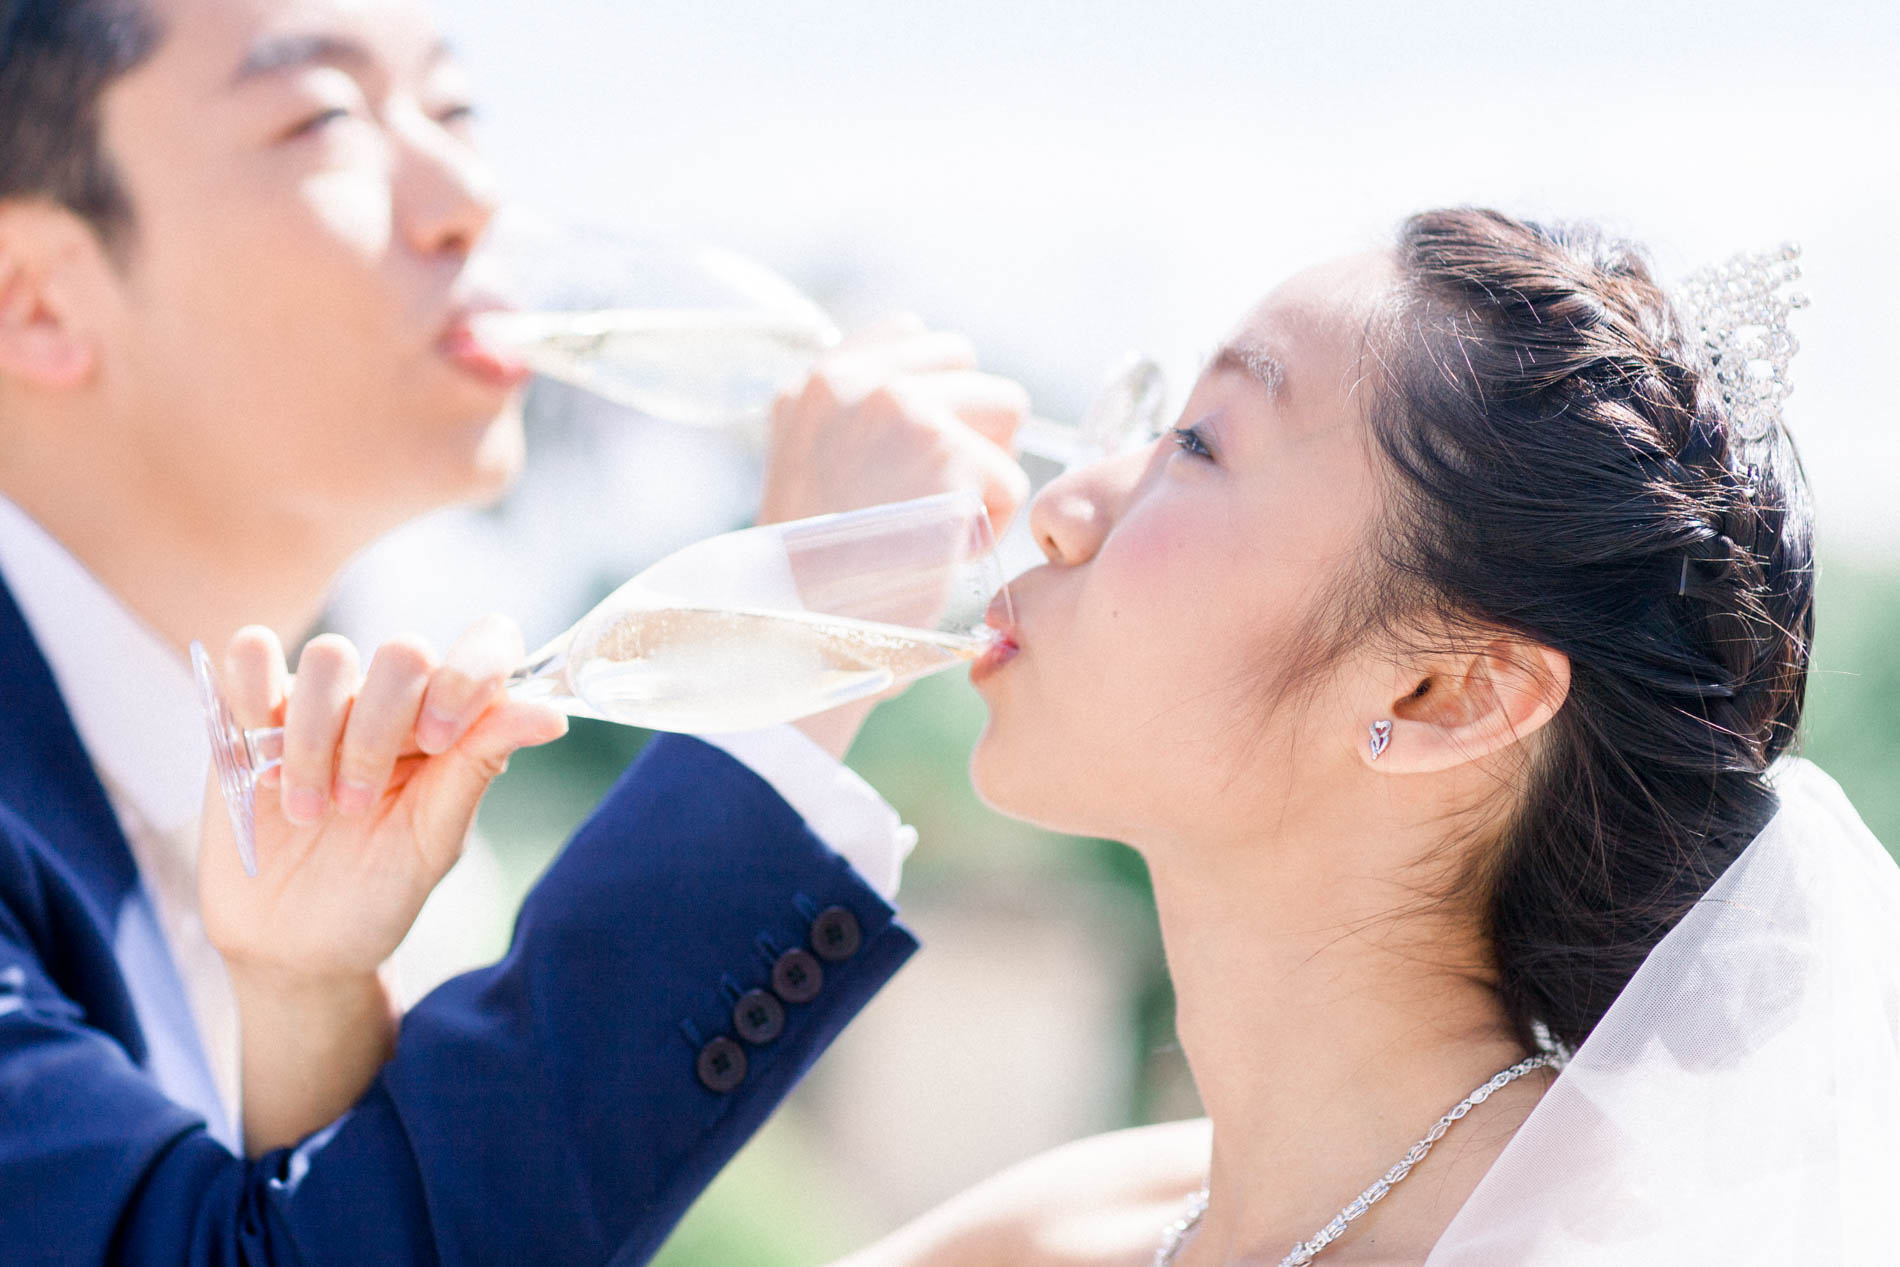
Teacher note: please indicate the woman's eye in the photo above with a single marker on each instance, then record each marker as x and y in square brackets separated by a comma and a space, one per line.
[456, 116]
[1191, 440]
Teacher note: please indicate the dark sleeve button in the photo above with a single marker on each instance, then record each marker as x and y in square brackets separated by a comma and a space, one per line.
[758, 1017]
[796, 977]
[835, 934]
[721, 1065]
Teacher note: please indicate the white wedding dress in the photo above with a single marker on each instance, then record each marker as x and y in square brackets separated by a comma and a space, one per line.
[1740, 1102]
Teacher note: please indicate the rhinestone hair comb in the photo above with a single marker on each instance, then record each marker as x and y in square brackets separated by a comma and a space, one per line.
[1736, 317]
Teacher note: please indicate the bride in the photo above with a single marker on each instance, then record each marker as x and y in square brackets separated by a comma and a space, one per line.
[1444, 664]
[1438, 664]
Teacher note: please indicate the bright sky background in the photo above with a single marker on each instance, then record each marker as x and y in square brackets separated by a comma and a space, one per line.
[1068, 179]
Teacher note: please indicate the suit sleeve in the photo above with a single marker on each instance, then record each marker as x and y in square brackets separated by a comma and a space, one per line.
[684, 961]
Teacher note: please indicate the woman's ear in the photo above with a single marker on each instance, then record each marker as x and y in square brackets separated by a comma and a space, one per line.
[1467, 706]
[46, 256]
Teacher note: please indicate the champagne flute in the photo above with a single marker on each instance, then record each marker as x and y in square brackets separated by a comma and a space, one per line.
[747, 629]
[709, 338]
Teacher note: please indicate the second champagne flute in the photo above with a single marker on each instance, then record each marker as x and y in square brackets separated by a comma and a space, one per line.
[706, 337]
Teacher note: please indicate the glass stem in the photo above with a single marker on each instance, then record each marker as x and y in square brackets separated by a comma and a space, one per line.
[543, 676]
[264, 745]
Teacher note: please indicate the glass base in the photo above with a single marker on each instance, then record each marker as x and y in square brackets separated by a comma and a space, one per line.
[231, 756]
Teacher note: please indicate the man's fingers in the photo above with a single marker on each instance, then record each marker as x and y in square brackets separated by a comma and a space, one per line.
[470, 676]
[328, 673]
[989, 404]
[500, 732]
[450, 787]
[975, 416]
[381, 721]
[1005, 487]
[253, 677]
[507, 728]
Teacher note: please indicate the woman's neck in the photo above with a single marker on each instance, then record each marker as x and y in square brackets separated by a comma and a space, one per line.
[1329, 1020]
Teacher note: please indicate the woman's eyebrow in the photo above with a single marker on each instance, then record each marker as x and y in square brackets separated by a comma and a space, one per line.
[1254, 363]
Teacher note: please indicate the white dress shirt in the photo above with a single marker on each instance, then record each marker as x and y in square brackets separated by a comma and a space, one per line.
[134, 704]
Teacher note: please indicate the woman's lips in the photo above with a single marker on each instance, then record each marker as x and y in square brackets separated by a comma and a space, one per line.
[466, 351]
[1000, 653]
[1004, 648]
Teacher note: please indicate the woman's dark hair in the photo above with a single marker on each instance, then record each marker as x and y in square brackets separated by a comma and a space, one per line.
[1565, 472]
[56, 58]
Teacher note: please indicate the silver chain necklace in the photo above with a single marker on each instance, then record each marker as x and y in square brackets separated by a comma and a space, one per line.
[1175, 1236]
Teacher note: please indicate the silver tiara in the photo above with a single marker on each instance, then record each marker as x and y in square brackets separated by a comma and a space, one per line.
[1736, 319]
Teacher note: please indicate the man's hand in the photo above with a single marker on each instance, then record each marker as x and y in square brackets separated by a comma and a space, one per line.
[381, 777]
[892, 415]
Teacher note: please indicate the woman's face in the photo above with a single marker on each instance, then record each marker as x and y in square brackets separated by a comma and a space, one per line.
[1180, 583]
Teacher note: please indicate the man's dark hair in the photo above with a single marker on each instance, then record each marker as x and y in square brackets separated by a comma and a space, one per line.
[56, 59]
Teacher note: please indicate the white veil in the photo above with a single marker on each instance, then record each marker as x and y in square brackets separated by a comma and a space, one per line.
[1740, 1101]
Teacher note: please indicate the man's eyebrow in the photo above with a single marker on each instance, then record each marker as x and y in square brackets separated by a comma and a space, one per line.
[287, 52]
[1254, 363]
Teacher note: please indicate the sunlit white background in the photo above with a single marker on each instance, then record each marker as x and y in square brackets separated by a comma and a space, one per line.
[1065, 179]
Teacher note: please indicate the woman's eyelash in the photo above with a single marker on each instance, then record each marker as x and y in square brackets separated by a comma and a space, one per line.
[1191, 440]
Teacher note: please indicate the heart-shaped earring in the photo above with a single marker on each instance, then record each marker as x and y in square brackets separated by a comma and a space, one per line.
[1381, 736]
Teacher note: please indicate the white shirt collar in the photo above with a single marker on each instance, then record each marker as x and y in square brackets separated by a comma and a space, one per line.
[131, 696]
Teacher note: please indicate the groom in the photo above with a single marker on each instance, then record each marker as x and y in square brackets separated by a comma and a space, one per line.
[234, 349]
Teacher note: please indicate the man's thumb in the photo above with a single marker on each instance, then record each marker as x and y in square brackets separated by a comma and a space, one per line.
[458, 777]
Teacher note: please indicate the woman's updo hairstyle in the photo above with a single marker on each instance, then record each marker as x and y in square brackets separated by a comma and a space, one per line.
[1565, 472]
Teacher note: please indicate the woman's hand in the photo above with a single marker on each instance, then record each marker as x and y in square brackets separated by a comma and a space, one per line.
[1096, 1201]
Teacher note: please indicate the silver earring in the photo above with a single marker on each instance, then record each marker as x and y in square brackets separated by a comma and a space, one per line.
[1381, 736]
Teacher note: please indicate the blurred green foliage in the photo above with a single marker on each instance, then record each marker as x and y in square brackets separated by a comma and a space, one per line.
[769, 1209]
[1853, 716]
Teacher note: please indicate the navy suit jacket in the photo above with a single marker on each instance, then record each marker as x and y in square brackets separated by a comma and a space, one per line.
[683, 962]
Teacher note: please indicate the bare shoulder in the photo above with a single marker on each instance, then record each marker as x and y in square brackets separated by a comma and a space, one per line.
[1099, 1202]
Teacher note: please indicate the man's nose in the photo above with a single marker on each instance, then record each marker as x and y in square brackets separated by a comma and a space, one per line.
[446, 192]
[1074, 512]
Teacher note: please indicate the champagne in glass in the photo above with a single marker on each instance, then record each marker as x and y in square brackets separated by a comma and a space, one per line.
[703, 367]
[706, 670]
[746, 629]
[709, 338]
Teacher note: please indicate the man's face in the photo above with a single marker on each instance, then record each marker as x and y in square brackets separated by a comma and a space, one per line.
[287, 335]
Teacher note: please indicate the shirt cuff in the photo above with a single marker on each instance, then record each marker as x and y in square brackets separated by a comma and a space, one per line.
[838, 806]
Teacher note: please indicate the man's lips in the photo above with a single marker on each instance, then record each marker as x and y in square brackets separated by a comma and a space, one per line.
[465, 349]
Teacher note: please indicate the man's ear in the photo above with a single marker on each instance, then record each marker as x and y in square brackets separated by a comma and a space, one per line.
[50, 264]
[1465, 707]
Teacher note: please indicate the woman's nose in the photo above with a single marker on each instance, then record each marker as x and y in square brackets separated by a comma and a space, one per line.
[1074, 512]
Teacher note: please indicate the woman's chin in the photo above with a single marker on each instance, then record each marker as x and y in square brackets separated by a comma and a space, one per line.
[1004, 785]
[1021, 789]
